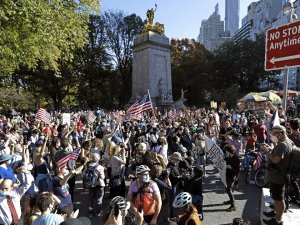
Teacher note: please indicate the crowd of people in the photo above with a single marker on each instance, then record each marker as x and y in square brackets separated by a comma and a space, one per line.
[163, 154]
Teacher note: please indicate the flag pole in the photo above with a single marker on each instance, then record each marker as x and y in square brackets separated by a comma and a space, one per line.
[151, 104]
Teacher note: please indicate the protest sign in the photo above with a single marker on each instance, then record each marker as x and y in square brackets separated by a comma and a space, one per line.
[66, 118]
[217, 157]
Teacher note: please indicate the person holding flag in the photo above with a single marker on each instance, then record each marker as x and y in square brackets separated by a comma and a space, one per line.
[61, 187]
[43, 179]
[67, 158]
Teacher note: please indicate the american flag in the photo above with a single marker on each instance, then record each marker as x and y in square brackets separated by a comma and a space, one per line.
[43, 115]
[90, 117]
[63, 161]
[74, 155]
[142, 105]
[76, 117]
[258, 161]
[172, 113]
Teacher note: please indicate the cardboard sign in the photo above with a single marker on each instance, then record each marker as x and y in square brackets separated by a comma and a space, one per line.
[66, 118]
[217, 157]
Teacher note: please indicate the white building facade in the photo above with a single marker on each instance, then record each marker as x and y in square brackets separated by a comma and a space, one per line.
[263, 13]
[212, 32]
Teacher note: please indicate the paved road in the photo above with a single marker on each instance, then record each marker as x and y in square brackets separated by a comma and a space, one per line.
[247, 202]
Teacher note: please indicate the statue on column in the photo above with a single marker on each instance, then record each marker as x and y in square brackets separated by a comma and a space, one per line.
[182, 93]
[148, 25]
[150, 16]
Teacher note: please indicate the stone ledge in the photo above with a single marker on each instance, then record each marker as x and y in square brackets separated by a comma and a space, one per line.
[291, 217]
[153, 37]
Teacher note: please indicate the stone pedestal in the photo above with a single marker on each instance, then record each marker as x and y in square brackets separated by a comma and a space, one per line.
[152, 68]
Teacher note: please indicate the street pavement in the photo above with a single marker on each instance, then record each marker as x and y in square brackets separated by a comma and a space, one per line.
[247, 198]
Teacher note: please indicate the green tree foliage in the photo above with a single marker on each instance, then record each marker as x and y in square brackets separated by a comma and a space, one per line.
[12, 97]
[99, 85]
[239, 68]
[191, 70]
[46, 84]
[34, 31]
[120, 31]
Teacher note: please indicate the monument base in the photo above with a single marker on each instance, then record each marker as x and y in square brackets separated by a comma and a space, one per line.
[164, 104]
[151, 68]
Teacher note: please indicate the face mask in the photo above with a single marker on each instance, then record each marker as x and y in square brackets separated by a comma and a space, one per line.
[4, 193]
[274, 139]
[145, 178]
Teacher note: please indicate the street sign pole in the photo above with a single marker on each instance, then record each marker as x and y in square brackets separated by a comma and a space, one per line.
[288, 9]
[285, 89]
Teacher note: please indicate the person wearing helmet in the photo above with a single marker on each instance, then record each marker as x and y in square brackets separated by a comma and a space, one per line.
[145, 196]
[190, 215]
[118, 209]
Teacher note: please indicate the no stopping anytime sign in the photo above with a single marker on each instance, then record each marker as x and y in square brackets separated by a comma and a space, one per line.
[283, 47]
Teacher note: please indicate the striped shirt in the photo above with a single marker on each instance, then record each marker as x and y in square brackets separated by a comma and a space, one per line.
[50, 219]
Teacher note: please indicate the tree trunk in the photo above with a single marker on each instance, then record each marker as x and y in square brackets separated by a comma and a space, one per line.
[55, 102]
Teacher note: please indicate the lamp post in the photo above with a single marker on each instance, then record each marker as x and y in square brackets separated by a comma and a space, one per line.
[288, 9]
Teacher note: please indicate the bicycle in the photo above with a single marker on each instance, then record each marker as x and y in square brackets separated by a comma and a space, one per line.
[256, 169]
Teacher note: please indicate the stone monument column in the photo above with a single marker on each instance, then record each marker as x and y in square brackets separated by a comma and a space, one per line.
[152, 68]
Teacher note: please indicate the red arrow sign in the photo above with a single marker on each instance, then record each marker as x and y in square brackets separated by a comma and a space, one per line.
[283, 47]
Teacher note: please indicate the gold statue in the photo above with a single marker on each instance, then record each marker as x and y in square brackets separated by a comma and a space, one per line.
[150, 15]
[158, 27]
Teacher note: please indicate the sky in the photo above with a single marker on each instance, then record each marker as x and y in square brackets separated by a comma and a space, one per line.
[182, 18]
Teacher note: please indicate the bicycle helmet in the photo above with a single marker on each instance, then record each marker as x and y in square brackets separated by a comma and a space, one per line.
[141, 169]
[121, 202]
[182, 199]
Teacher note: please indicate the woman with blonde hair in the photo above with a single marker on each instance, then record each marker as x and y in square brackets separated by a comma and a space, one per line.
[109, 149]
[97, 146]
[117, 165]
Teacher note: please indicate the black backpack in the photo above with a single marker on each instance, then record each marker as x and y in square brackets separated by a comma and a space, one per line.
[294, 162]
[90, 177]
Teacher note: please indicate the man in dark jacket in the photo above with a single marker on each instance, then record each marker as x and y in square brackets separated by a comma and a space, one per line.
[186, 139]
[194, 187]
[232, 171]
[174, 176]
